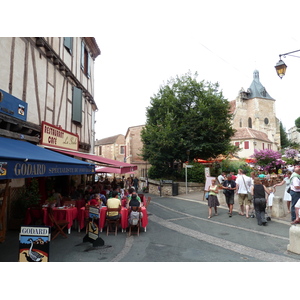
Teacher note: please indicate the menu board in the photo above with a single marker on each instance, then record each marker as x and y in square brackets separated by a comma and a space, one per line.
[94, 216]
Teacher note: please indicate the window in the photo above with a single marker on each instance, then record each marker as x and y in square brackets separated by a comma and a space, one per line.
[241, 123]
[68, 43]
[246, 145]
[266, 120]
[237, 144]
[77, 105]
[85, 60]
[250, 123]
[122, 149]
[263, 146]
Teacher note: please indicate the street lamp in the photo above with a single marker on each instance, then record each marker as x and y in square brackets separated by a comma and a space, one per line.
[281, 66]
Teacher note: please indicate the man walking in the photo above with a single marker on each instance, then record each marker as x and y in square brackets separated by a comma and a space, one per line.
[243, 185]
[295, 190]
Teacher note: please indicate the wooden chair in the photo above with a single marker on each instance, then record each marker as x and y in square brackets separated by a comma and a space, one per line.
[134, 226]
[58, 225]
[111, 222]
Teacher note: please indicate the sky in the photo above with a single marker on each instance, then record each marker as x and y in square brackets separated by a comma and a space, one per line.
[145, 43]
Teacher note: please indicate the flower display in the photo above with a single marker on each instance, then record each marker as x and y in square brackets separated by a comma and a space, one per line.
[268, 159]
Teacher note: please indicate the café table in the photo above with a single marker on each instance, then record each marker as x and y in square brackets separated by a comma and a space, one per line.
[67, 213]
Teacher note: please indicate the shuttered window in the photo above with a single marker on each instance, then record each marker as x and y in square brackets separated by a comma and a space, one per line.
[68, 43]
[246, 145]
[77, 105]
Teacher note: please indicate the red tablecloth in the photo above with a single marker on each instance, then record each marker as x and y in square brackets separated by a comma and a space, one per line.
[69, 214]
[103, 210]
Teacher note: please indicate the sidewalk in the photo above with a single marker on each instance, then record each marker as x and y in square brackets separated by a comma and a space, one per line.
[199, 196]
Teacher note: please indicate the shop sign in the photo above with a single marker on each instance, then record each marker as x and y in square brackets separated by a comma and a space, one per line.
[34, 243]
[12, 106]
[55, 136]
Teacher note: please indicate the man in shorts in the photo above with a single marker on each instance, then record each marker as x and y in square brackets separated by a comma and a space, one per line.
[243, 185]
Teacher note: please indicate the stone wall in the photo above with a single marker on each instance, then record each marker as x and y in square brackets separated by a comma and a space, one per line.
[166, 189]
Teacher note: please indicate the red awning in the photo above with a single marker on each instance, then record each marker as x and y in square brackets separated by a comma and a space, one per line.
[111, 162]
[120, 170]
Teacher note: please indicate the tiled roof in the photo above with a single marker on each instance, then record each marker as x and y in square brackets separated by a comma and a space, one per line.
[244, 133]
[108, 140]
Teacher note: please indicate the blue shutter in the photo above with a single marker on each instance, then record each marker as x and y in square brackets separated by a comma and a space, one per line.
[68, 43]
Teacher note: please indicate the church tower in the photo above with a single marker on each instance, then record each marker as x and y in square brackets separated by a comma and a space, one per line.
[255, 120]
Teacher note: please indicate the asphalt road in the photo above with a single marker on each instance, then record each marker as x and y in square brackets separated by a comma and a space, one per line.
[178, 231]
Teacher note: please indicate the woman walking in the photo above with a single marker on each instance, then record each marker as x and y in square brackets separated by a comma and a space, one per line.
[287, 196]
[212, 198]
[259, 192]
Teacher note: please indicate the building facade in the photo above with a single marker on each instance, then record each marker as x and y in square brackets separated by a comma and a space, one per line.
[47, 90]
[111, 147]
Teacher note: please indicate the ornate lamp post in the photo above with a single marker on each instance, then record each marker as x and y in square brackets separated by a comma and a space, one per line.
[281, 66]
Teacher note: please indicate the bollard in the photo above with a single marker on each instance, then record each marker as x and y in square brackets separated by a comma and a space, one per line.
[294, 245]
[277, 207]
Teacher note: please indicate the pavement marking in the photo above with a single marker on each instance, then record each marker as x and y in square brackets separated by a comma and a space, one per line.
[223, 224]
[125, 250]
[243, 250]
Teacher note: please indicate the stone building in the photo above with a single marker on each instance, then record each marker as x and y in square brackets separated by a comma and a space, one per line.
[294, 135]
[112, 147]
[133, 150]
[254, 119]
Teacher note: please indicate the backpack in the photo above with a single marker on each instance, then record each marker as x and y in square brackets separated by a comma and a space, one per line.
[134, 217]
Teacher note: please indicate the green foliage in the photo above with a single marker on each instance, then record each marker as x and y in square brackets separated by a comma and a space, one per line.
[233, 165]
[283, 137]
[29, 197]
[194, 174]
[186, 115]
[297, 124]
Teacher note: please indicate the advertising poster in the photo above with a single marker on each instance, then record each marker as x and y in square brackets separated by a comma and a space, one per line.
[94, 216]
[34, 244]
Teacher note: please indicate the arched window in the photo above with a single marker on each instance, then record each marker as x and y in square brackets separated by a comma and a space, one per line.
[241, 123]
[250, 123]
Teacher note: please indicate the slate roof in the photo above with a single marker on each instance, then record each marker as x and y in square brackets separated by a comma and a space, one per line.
[245, 133]
[256, 89]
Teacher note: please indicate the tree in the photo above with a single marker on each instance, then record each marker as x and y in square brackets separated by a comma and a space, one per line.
[283, 137]
[186, 115]
[297, 124]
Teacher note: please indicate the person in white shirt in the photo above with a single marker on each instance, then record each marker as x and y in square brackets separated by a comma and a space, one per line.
[222, 178]
[243, 185]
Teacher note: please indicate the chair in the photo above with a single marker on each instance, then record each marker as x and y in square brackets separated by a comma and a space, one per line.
[59, 225]
[111, 222]
[138, 224]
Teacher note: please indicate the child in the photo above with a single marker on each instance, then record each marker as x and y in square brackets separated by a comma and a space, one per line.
[272, 191]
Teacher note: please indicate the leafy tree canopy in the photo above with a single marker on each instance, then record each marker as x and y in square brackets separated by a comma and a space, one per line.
[186, 115]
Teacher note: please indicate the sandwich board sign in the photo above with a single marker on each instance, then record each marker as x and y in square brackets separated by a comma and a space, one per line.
[94, 216]
[34, 244]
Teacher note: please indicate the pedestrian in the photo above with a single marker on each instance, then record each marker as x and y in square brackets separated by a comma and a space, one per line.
[287, 196]
[213, 201]
[229, 186]
[222, 178]
[243, 185]
[297, 211]
[259, 192]
[295, 190]
[271, 192]
[136, 183]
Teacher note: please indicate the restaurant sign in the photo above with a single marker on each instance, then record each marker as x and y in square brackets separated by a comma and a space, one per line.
[34, 244]
[11, 169]
[12, 106]
[55, 136]
[94, 215]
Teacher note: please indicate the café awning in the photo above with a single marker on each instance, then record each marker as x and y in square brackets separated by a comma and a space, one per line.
[126, 168]
[20, 159]
[120, 170]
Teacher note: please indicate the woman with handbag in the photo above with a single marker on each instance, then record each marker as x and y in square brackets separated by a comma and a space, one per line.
[212, 198]
[287, 196]
[259, 192]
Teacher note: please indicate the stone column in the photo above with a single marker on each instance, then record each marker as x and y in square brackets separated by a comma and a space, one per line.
[277, 208]
[294, 245]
